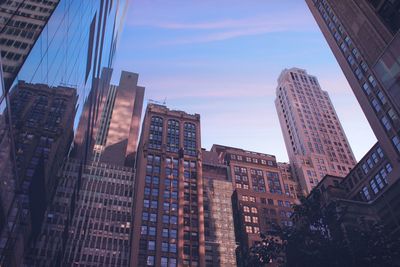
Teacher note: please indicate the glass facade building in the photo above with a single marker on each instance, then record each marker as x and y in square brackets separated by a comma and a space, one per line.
[52, 44]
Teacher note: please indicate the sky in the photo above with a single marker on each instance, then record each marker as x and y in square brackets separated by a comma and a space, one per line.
[221, 59]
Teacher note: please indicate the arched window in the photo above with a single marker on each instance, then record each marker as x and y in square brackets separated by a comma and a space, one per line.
[173, 136]
[156, 130]
[189, 133]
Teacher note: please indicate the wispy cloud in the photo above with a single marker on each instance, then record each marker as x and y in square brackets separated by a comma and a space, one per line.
[224, 35]
[209, 30]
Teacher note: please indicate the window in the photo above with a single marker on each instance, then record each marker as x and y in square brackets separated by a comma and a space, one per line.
[280, 203]
[143, 230]
[396, 142]
[386, 123]
[374, 157]
[155, 133]
[365, 168]
[173, 233]
[376, 105]
[165, 232]
[366, 193]
[172, 248]
[252, 199]
[189, 142]
[173, 136]
[152, 231]
[165, 219]
[151, 245]
[164, 262]
[254, 210]
[150, 260]
[369, 162]
[356, 53]
[247, 218]
[379, 181]
[372, 81]
[172, 262]
[374, 187]
[381, 97]
[249, 229]
[164, 247]
[256, 230]
[358, 74]
[153, 217]
[174, 220]
[366, 88]
[246, 209]
[255, 219]
[380, 152]
[389, 168]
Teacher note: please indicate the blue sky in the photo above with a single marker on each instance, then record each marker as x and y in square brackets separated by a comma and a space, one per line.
[222, 58]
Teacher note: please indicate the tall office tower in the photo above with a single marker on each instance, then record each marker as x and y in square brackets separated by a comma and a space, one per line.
[89, 222]
[168, 226]
[42, 130]
[55, 43]
[314, 138]
[220, 244]
[21, 23]
[364, 37]
[262, 196]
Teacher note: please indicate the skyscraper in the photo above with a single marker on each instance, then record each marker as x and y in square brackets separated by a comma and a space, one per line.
[54, 43]
[89, 221]
[364, 37]
[314, 138]
[21, 23]
[168, 226]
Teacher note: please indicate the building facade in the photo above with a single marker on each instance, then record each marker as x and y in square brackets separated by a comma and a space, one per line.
[264, 195]
[53, 43]
[314, 137]
[89, 220]
[219, 232]
[21, 24]
[168, 225]
[364, 37]
[42, 130]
